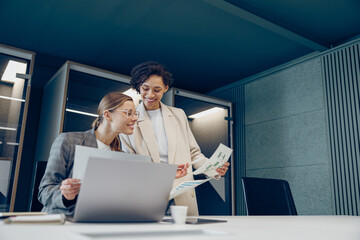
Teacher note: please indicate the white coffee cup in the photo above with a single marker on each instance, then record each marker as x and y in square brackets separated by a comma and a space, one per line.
[179, 214]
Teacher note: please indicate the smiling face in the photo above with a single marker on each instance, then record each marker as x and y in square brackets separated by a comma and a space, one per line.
[121, 123]
[152, 91]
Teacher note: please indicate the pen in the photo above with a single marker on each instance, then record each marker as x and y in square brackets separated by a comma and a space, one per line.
[191, 163]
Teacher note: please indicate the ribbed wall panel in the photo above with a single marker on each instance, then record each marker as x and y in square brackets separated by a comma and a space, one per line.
[342, 74]
[237, 96]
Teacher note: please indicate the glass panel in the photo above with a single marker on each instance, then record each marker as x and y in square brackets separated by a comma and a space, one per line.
[214, 197]
[12, 102]
[85, 91]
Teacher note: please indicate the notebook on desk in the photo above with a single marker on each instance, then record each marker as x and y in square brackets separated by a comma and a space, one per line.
[123, 191]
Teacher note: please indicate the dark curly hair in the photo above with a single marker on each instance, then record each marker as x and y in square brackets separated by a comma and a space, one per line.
[141, 72]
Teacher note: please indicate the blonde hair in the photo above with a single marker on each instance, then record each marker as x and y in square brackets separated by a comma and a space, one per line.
[110, 102]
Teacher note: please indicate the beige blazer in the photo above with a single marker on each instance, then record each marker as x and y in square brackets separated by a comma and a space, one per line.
[182, 146]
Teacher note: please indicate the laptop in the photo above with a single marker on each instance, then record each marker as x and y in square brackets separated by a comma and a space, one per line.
[119, 190]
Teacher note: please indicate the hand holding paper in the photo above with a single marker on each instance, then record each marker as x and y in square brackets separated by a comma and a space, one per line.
[217, 160]
[70, 187]
[219, 157]
[222, 170]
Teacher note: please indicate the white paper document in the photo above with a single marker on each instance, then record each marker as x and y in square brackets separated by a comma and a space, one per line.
[50, 218]
[14, 214]
[83, 153]
[5, 169]
[185, 186]
[219, 157]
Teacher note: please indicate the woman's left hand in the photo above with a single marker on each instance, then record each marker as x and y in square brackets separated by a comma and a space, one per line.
[222, 170]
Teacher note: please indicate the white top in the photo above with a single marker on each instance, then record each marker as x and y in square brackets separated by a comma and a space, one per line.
[157, 123]
[102, 145]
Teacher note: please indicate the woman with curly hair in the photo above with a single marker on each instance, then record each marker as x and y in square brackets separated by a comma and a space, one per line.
[163, 132]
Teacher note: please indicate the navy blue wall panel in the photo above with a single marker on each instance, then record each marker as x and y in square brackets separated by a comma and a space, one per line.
[342, 78]
[286, 134]
[236, 95]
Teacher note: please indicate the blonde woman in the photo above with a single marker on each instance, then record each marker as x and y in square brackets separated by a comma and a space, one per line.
[58, 190]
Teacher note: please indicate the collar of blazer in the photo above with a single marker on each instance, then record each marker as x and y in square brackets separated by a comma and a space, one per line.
[148, 134]
[90, 138]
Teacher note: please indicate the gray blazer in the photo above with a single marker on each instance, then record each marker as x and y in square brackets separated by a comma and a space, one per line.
[59, 167]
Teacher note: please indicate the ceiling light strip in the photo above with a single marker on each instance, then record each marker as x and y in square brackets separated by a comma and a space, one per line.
[7, 128]
[12, 98]
[12, 68]
[206, 112]
[81, 112]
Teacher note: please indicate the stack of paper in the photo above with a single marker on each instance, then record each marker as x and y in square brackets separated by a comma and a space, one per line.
[50, 218]
[13, 214]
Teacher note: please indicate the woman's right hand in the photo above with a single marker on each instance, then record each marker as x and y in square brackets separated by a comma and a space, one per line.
[70, 187]
[182, 170]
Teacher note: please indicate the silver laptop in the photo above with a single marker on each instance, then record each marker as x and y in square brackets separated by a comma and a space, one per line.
[115, 190]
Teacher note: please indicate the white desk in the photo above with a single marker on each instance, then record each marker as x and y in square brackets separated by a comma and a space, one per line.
[237, 227]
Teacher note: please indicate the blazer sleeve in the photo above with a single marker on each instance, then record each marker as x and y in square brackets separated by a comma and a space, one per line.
[126, 144]
[56, 171]
[195, 152]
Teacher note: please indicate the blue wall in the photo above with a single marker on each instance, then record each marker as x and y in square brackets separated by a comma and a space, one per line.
[287, 135]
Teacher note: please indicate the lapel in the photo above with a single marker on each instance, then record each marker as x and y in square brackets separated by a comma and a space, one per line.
[147, 132]
[90, 139]
[170, 129]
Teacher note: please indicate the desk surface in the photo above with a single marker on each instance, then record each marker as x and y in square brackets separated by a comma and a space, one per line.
[237, 227]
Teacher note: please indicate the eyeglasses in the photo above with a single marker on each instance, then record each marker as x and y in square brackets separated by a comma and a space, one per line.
[129, 113]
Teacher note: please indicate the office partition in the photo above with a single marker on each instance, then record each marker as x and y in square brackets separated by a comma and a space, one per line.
[210, 120]
[16, 68]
